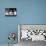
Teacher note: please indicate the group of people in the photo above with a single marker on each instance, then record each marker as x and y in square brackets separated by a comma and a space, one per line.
[10, 11]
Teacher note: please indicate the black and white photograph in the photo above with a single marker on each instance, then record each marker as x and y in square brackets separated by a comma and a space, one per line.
[31, 34]
[10, 11]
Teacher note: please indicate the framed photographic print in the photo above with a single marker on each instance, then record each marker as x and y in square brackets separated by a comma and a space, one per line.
[10, 11]
[33, 32]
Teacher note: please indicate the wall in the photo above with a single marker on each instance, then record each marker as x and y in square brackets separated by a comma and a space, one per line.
[28, 12]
